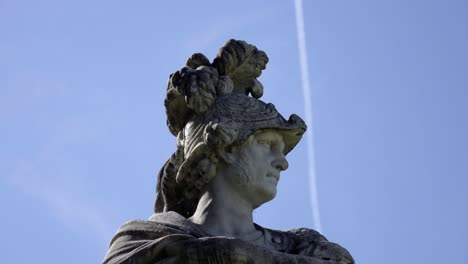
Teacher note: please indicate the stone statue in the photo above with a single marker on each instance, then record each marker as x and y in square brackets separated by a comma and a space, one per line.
[231, 148]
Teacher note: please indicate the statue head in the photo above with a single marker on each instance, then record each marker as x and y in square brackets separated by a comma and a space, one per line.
[214, 111]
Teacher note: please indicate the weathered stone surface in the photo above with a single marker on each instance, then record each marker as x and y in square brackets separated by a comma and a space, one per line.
[231, 149]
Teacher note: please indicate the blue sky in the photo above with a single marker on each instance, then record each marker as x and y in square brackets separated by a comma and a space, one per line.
[83, 130]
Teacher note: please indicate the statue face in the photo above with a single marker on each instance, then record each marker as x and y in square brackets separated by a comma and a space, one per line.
[255, 172]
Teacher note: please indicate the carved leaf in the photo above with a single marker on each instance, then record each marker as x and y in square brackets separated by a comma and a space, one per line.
[197, 60]
[243, 63]
[239, 59]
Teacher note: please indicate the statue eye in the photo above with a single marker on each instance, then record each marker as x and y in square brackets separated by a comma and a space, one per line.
[265, 142]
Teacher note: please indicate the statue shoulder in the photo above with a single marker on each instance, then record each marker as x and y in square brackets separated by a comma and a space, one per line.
[158, 225]
[293, 241]
[304, 238]
[136, 238]
[306, 234]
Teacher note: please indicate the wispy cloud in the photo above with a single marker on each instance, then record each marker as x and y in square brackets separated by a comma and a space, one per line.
[301, 40]
[57, 184]
[68, 204]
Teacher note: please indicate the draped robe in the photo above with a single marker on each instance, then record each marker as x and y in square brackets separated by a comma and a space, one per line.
[154, 242]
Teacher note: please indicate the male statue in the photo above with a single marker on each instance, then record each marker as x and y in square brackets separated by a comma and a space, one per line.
[231, 148]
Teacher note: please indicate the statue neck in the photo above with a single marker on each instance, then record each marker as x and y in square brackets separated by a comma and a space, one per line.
[222, 211]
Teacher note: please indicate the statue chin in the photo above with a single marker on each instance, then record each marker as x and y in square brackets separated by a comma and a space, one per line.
[264, 195]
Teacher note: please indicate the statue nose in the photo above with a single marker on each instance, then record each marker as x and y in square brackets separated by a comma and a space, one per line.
[280, 163]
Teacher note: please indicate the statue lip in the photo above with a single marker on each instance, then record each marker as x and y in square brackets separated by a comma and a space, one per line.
[274, 175]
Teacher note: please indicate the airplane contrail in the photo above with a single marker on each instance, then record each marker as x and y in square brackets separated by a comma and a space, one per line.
[308, 113]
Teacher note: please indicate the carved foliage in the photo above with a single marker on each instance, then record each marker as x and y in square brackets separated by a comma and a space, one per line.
[192, 90]
[243, 63]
